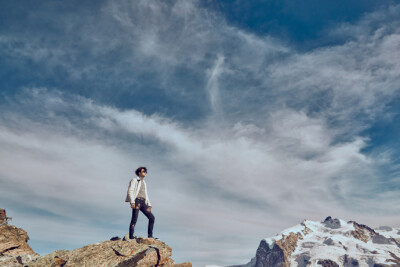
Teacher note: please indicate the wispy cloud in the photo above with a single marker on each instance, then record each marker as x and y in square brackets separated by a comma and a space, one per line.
[279, 137]
[212, 83]
[76, 164]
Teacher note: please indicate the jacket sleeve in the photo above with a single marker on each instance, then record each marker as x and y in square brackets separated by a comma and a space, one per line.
[147, 197]
[131, 190]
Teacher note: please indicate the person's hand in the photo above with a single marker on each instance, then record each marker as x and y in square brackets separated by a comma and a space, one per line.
[149, 209]
[132, 205]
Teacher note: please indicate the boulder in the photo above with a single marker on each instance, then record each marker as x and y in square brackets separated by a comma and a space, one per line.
[13, 241]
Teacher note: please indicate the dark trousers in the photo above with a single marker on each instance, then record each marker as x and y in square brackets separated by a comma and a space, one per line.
[140, 204]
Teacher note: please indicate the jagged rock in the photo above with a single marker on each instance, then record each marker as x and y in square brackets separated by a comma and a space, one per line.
[332, 223]
[328, 263]
[140, 252]
[115, 238]
[303, 260]
[395, 259]
[266, 256]
[362, 232]
[330, 243]
[380, 239]
[13, 241]
[280, 252]
[3, 215]
[135, 252]
[349, 261]
[58, 262]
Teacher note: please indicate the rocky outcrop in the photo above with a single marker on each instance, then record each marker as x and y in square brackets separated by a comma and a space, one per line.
[136, 252]
[266, 256]
[280, 252]
[362, 232]
[2, 215]
[328, 263]
[365, 234]
[140, 252]
[331, 223]
[13, 241]
[14, 248]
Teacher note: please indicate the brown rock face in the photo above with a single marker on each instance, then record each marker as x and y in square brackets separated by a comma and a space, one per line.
[2, 215]
[139, 252]
[363, 232]
[13, 241]
[395, 260]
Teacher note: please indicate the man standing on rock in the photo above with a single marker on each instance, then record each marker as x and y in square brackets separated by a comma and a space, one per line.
[139, 200]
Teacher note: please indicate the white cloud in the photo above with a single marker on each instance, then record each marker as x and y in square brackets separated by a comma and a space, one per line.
[281, 143]
[212, 83]
[215, 181]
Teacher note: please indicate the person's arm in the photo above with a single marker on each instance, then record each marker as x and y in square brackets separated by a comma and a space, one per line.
[147, 197]
[131, 192]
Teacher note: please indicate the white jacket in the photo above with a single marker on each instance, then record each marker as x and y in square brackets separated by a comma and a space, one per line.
[133, 191]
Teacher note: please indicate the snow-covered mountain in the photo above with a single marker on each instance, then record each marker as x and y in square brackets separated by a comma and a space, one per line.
[331, 243]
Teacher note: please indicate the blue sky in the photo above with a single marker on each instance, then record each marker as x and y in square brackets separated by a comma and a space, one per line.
[250, 115]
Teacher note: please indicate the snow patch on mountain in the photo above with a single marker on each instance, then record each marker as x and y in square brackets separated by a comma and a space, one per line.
[332, 242]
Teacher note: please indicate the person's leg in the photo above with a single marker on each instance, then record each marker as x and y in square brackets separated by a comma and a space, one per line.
[135, 213]
[151, 218]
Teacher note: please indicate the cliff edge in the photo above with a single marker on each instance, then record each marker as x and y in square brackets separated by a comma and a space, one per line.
[141, 252]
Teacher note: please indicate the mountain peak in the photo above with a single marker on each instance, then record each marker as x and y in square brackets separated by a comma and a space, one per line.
[332, 242]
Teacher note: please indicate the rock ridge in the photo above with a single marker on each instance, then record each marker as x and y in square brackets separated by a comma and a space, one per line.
[140, 252]
[330, 243]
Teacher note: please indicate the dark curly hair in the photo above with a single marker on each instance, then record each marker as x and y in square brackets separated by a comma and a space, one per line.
[138, 170]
